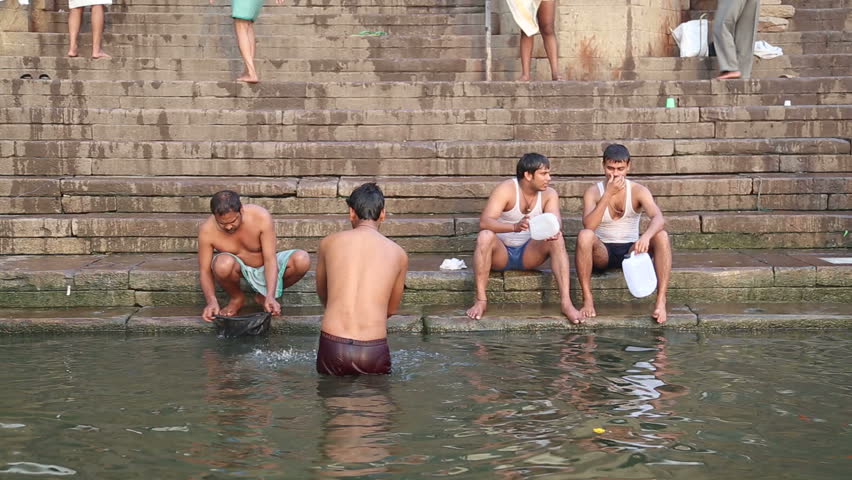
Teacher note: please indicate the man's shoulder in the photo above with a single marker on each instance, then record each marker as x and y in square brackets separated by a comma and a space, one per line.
[255, 210]
[205, 225]
[638, 187]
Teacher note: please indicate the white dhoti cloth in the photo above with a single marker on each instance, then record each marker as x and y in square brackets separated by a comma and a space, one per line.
[87, 3]
[525, 13]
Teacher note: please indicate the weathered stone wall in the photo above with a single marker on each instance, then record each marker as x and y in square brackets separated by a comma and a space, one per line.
[599, 39]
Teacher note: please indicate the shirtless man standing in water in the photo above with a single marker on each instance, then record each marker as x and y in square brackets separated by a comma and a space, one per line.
[360, 278]
[239, 241]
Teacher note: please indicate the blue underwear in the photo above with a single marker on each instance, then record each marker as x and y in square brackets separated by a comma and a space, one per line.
[516, 257]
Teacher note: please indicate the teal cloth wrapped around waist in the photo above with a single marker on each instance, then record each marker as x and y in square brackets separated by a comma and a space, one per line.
[255, 276]
[246, 9]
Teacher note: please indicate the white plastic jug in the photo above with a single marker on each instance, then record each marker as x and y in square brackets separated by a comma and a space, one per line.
[544, 226]
[639, 274]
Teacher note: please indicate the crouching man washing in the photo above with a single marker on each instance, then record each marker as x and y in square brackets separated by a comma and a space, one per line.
[611, 215]
[239, 241]
[504, 241]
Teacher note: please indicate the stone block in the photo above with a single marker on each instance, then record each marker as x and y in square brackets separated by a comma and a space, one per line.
[765, 223]
[40, 226]
[765, 316]
[41, 246]
[779, 11]
[29, 187]
[318, 187]
[58, 299]
[71, 320]
[29, 205]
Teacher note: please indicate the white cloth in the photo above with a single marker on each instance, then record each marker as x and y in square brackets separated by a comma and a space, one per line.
[453, 264]
[763, 49]
[525, 13]
[626, 228]
[516, 239]
[87, 3]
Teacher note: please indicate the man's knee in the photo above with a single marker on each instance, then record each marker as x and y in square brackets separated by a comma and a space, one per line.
[485, 238]
[586, 238]
[224, 266]
[299, 261]
[661, 237]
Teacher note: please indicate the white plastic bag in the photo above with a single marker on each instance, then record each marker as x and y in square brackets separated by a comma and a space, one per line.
[691, 38]
[766, 51]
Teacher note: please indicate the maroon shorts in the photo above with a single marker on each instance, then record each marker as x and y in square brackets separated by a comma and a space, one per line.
[343, 356]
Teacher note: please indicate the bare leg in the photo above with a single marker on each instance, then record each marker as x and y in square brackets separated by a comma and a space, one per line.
[526, 56]
[297, 266]
[661, 248]
[591, 252]
[546, 20]
[244, 30]
[98, 31]
[75, 18]
[490, 253]
[559, 264]
[226, 272]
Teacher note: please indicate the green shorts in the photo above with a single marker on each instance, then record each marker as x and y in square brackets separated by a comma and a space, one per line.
[255, 275]
[246, 9]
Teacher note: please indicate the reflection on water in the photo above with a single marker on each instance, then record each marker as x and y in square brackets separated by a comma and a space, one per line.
[618, 404]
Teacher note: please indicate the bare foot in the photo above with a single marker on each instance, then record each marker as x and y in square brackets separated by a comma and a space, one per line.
[660, 314]
[574, 316]
[72, 52]
[557, 78]
[233, 307]
[588, 309]
[524, 78]
[259, 299]
[248, 78]
[100, 54]
[475, 312]
[729, 75]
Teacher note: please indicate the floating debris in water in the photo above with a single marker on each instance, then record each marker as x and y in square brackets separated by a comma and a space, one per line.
[31, 468]
[599, 430]
[170, 429]
[85, 428]
[12, 425]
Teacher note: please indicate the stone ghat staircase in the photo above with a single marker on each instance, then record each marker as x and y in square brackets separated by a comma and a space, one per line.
[818, 42]
[106, 171]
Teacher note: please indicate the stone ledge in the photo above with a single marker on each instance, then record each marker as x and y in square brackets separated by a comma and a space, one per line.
[439, 320]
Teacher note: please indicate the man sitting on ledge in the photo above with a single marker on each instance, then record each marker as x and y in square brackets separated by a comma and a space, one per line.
[504, 241]
[611, 214]
[360, 279]
[239, 240]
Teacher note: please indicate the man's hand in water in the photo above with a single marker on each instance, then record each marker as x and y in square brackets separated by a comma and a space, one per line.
[211, 310]
[523, 225]
[272, 306]
[614, 185]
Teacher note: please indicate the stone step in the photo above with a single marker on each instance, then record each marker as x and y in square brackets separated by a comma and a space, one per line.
[806, 18]
[822, 19]
[159, 232]
[574, 94]
[811, 65]
[438, 319]
[322, 29]
[496, 130]
[406, 195]
[707, 277]
[690, 156]
[352, 48]
[271, 22]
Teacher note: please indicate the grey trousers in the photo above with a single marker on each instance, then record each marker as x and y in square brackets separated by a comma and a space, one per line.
[734, 31]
